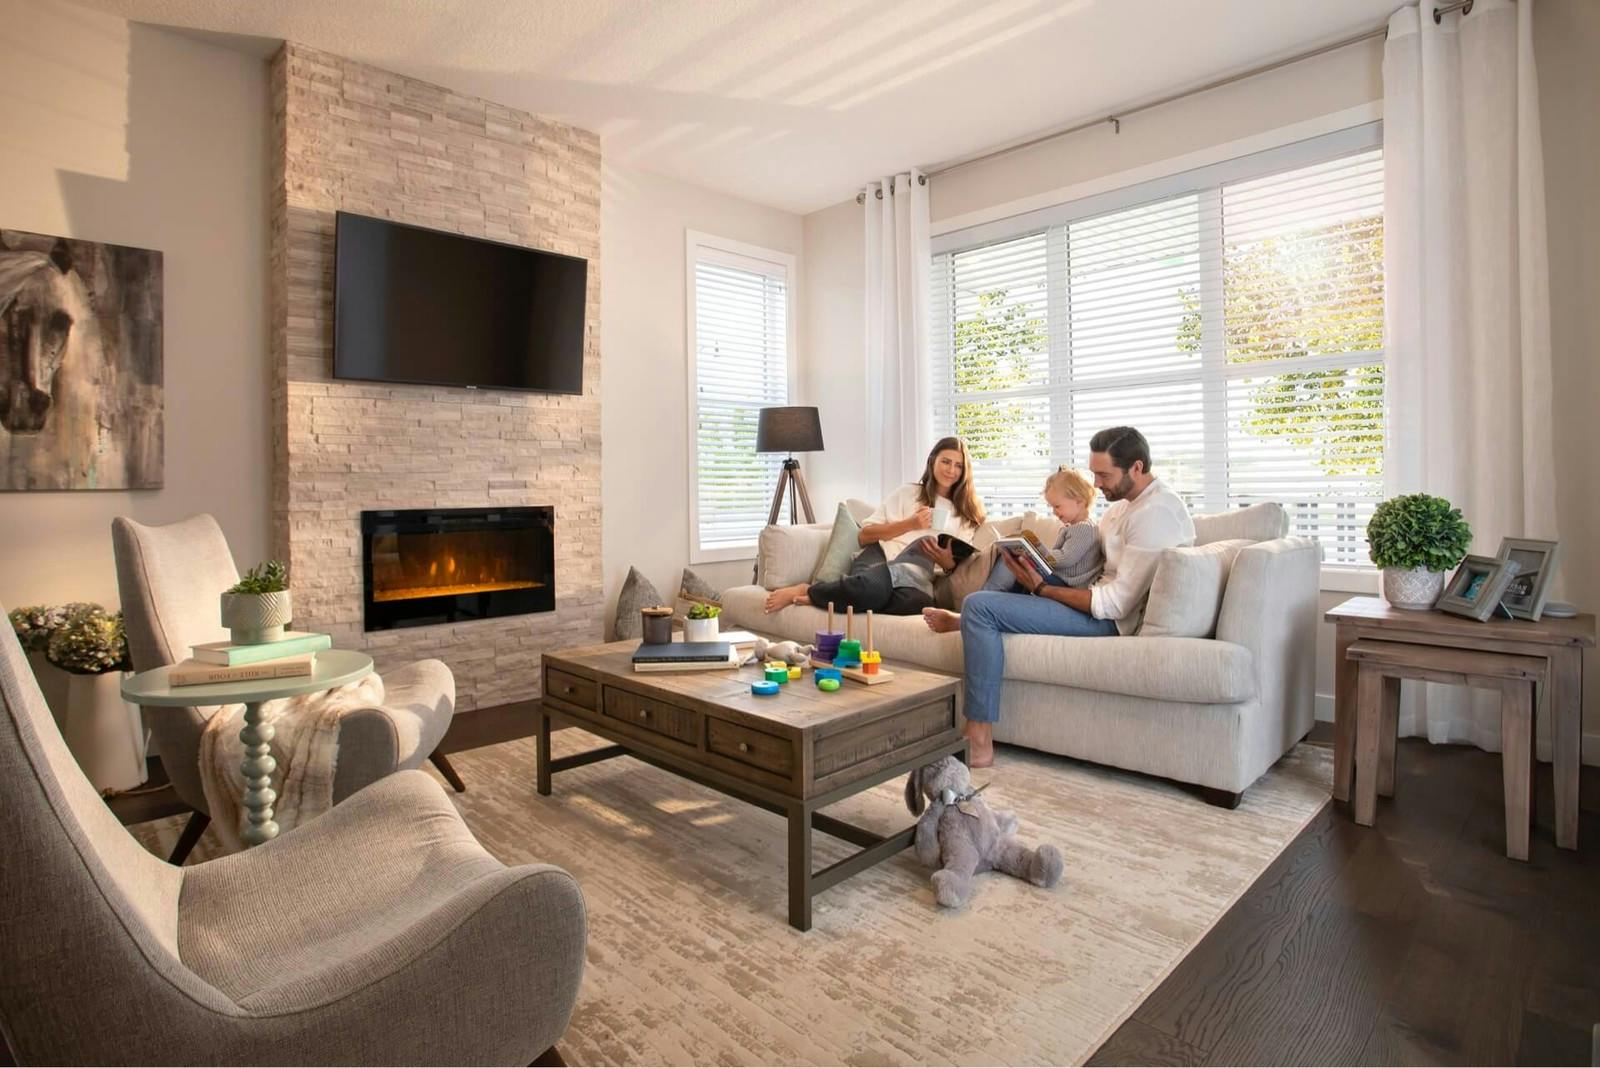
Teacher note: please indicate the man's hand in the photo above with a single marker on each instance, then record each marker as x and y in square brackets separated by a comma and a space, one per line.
[1024, 574]
[944, 557]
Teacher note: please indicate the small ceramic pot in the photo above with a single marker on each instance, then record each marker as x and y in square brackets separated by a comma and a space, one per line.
[255, 618]
[1415, 588]
[700, 630]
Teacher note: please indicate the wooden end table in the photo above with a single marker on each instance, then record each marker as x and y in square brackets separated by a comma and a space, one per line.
[792, 754]
[334, 667]
[1558, 642]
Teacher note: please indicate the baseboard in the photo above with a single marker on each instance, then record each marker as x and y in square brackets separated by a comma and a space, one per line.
[1591, 739]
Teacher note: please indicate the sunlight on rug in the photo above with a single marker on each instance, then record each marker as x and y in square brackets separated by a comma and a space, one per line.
[692, 961]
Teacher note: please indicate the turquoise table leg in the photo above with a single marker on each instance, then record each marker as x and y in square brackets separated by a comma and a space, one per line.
[258, 767]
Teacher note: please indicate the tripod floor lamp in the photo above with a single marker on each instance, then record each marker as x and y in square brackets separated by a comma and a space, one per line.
[790, 430]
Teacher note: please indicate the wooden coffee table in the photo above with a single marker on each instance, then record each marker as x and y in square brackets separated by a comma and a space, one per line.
[792, 754]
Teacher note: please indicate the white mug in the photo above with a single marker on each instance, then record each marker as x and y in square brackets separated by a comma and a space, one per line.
[941, 516]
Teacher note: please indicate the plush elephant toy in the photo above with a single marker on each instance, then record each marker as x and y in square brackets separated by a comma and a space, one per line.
[791, 653]
[959, 835]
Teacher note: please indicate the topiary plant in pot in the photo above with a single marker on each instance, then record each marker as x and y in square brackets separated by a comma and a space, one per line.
[1416, 539]
[701, 623]
[256, 608]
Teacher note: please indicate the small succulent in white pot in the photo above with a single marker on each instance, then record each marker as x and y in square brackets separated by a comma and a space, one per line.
[1416, 538]
[701, 623]
[256, 609]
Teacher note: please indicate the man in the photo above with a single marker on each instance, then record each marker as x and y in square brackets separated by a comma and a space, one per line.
[1145, 517]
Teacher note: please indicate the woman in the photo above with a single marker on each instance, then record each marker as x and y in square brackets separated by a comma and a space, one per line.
[893, 572]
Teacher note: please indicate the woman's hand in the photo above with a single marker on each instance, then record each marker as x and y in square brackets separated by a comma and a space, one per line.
[944, 557]
[921, 519]
[1024, 574]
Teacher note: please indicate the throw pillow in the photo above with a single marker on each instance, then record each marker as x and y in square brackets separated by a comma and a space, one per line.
[693, 588]
[1186, 593]
[637, 592]
[788, 554]
[843, 544]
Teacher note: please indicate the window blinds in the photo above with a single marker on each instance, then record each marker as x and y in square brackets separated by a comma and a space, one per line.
[741, 349]
[1237, 323]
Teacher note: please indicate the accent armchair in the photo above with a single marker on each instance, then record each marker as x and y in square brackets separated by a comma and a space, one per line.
[169, 578]
[381, 933]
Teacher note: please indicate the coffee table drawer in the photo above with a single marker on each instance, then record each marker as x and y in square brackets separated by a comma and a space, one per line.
[569, 688]
[750, 747]
[657, 717]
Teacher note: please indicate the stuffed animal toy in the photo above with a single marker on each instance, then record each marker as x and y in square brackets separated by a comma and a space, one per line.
[959, 835]
[791, 653]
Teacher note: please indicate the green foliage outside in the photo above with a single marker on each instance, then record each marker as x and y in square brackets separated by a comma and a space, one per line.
[269, 577]
[1418, 530]
[994, 349]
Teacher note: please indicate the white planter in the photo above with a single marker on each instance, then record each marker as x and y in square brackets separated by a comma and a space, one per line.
[1414, 588]
[252, 618]
[700, 630]
[104, 732]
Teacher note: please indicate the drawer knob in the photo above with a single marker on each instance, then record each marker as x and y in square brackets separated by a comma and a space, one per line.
[567, 689]
[644, 713]
[744, 747]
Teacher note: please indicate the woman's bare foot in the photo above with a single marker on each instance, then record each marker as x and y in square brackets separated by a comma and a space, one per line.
[786, 596]
[980, 744]
[941, 620]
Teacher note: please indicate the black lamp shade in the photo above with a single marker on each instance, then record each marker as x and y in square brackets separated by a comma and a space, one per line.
[789, 430]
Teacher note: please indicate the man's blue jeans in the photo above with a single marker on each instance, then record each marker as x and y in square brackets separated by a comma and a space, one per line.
[987, 615]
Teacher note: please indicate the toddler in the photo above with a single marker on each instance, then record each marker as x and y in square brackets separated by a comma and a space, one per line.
[1077, 553]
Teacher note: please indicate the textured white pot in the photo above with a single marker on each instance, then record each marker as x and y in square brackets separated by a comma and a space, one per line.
[252, 618]
[104, 732]
[700, 630]
[1414, 588]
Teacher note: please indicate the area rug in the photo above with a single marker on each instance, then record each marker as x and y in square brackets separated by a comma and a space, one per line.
[691, 959]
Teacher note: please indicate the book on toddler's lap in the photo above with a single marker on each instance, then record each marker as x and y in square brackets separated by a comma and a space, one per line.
[1028, 549]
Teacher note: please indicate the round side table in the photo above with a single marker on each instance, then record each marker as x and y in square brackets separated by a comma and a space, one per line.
[334, 667]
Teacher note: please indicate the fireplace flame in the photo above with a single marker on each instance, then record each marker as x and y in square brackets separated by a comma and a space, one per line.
[411, 566]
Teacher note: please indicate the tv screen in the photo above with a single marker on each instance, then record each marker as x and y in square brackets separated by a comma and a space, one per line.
[423, 306]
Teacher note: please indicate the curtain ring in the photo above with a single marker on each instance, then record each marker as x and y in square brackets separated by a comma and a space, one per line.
[879, 193]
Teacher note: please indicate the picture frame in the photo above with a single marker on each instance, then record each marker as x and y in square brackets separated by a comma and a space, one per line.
[1475, 589]
[1537, 560]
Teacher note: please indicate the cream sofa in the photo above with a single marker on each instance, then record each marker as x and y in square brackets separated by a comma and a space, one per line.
[1212, 711]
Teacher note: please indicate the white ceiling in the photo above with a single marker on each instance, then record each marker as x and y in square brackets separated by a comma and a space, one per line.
[791, 103]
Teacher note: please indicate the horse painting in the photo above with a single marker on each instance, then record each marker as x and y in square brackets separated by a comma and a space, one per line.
[80, 364]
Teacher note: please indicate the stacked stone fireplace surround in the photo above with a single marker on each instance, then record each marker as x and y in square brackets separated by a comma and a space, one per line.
[349, 137]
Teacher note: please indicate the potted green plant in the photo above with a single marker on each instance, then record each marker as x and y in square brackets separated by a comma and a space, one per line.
[104, 732]
[1416, 539]
[256, 609]
[701, 624]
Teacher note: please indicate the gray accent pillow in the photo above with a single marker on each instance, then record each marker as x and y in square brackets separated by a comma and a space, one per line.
[694, 588]
[843, 544]
[637, 592]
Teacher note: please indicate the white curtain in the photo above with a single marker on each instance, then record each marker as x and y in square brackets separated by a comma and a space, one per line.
[899, 396]
[1467, 295]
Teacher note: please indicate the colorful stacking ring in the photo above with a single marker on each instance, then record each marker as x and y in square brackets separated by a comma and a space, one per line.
[849, 651]
[794, 672]
[870, 661]
[763, 689]
[777, 674]
[827, 685]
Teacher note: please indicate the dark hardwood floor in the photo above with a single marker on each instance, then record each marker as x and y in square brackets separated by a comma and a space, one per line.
[1411, 942]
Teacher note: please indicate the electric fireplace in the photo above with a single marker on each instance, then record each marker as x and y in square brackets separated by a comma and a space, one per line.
[446, 565]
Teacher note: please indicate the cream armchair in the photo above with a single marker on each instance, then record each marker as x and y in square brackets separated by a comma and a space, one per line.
[381, 933]
[169, 578]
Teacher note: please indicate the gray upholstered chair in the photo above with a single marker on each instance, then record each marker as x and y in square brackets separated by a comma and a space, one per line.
[381, 933]
[169, 578]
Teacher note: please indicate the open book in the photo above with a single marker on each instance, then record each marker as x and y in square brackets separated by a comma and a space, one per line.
[1029, 550]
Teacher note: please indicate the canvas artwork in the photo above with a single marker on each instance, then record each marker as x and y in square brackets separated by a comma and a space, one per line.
[80, 349]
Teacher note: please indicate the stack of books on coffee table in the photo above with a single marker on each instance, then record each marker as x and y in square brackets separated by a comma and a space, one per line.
[686, 656]
[292, 656]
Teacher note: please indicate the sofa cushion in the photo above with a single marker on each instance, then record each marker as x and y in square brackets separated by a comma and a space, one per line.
[1186, 593]
[1196, 670]
[844, 541]
[788, 554]
[1258, 522]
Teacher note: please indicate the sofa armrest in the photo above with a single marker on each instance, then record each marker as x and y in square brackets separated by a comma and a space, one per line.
[1270, 608]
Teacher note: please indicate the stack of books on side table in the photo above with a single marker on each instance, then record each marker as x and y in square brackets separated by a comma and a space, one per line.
[292, 656]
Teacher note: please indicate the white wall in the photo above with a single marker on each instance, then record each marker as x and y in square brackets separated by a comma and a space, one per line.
[116, 132]
[1567, 40]
[644, 364]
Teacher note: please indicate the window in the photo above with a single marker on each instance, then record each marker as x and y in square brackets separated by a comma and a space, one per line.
[740, 340]
[1234, 314]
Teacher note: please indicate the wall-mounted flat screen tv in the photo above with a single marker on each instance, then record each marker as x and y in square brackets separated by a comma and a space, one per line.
[433, 308]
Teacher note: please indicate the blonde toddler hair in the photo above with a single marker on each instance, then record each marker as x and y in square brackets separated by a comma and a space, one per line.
[1072, 483]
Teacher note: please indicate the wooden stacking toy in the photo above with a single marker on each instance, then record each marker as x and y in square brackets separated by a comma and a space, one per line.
[868, 668]
[870, 660]
[827, 640]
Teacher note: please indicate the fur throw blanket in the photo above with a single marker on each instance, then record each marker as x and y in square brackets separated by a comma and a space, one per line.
[305, 745]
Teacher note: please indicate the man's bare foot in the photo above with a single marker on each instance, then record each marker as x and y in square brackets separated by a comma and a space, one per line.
[941, 620]
[980, 744]
[786, 596]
